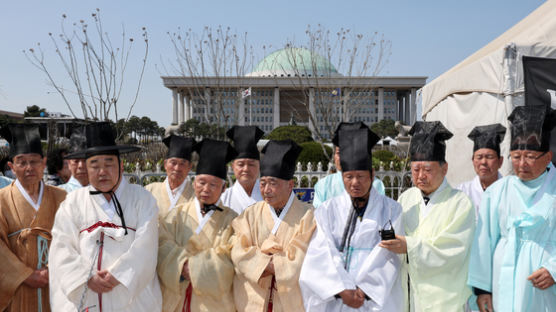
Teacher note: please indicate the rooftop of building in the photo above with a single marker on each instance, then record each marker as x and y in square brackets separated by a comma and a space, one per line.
[294, 62]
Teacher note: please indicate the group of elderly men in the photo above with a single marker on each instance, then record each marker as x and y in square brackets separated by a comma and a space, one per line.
[181, 245]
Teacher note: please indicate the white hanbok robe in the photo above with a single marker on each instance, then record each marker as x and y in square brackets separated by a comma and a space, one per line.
[72, 184]
[373, 269]
[474, 190]
[131, 259]
[236, 198]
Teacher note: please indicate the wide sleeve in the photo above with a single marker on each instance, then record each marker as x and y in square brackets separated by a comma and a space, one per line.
[171, 255]
[323, 274]
[484, 244]
[136, 268]
[247, 257]
[549, 262]
[380, 270]
[288, 261]
[12, 270]
[212, 270]
[66, 263]
[320, 195]
[378, 185]
[447, 250]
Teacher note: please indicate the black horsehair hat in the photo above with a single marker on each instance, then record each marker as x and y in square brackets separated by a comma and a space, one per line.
[489, 136]
[355, 149]
[179, 146]
[427, 141]
[245, 140]
[279, 159]
[100, 141]
[23, 139]
[347, 126]
[78, 143]
[531, 126]
[213, 157]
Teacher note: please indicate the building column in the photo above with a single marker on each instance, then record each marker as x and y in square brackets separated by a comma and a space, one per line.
[208, 104]
[312, 111]
[241, 110]
[407, 117]
[174, 106]
[276, 109]
[413, 105]
[380, 104]
[399, 113]
[187, 108]
[191, 103]
[181, 109]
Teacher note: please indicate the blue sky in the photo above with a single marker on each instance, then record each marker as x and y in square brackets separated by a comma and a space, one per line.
[428, 37]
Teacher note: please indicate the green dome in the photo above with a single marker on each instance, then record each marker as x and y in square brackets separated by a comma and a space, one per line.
[291, 62]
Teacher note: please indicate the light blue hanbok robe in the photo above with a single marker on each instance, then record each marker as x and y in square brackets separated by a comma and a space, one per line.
[5, 181]
[73, 184]
[333, 185]
[516, 235]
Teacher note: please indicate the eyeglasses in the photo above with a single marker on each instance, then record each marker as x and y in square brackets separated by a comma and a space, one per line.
[25, 163]
[529, 158]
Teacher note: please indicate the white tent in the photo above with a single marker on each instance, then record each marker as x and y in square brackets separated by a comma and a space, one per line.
[485, 87]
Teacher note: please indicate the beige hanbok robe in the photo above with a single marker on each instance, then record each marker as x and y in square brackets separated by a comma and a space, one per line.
[255, 246]
[19, 250]
[203, 241]
[160, 192]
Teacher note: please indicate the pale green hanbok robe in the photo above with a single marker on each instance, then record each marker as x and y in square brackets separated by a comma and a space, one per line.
[439, 237]
[516, 235]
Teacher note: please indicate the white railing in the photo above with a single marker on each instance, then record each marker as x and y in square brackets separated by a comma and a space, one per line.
[395, 182]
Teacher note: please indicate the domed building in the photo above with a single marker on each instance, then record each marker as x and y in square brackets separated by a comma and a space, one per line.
[292, 84]
[294, 62]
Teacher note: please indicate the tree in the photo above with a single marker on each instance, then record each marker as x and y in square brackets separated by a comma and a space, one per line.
[34, 111]
[95, 66]
[218, 53]
[384, 128]
[4, 121]
[313, 152]
[353, 55]
[200, 130]
[298, 134]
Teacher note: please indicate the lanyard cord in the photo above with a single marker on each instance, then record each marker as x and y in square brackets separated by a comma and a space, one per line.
[357, 212]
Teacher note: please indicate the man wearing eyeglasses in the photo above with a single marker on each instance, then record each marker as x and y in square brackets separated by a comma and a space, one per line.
[486, 161]
[345, 269]
[439, 223]
[513, 258]
[27, 210]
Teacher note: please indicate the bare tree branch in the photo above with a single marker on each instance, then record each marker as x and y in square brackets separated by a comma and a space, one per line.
[103, 66]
